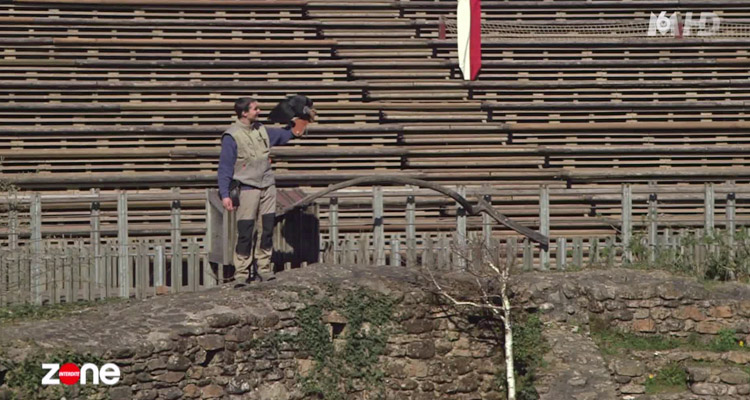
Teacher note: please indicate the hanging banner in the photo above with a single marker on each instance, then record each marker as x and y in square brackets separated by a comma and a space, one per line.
[469, 26]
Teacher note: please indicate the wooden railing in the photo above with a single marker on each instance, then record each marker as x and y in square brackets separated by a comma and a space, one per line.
[39, 267]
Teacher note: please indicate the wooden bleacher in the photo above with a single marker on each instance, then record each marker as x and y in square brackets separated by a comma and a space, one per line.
[134, 95]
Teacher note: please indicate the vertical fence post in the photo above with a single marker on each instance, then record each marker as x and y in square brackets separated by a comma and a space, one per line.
[395, 251]
[578, 252]
[487, 224]
[627, 204]
[511, 251]
[562, 254]
[333, 215]
[528, 255]
[709, 208]
[731, 220]
[35, 280]
[159, 268]
[544, 224]
[176, 242]
[193, 265]
[378, 230]
[652, 226]
[122, 241]
[460, 241]
[96, 250]
[13, 224]
[411, 235]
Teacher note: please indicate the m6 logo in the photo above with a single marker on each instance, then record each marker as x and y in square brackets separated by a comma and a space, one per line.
[69, 374]
[689, 27]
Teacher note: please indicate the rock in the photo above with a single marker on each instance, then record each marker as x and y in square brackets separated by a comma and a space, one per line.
[156, 363]
[223, 320]
[145, 395]
[467, 384]
[274, 375]
[171, 377]
[641, 313]
[191, 330]
[708, 327]
[191, 391]
[622, 379]
[743, 389]
[709, 389]
[734, 377]
[416, 368]
[195, 372]
[121, 393]
[178, 362]
[689, 312]
[211, 342]
[577, 381]
[671, 292]
[698, 374]
[212, 391]
[644, 325]
[144, 350]
[743, 308]
[629, 368]
[409, 384]
[121, 353]
[172, 393]
[738, 357]
[421, 350]
[418, 326]
[460, 365]
[276, 391]
[601, 293]
[242, 384]
[633, 389]
[162, 345]
[660, 313]
[721, 312]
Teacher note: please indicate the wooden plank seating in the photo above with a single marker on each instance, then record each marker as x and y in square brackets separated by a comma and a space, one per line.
[134, 95]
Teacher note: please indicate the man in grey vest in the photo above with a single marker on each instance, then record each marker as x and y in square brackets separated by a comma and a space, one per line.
[245, 149]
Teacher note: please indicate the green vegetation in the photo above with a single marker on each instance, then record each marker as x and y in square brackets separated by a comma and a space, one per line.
[340, 369]
[612, 341]
[20, 312]
[706, 256]
[671, 378]
[529, 347]
[344, 361]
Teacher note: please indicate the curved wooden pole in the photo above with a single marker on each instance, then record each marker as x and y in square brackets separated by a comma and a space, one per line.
[481, 207]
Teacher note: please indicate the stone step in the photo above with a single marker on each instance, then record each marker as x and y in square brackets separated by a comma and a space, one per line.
[575, 368]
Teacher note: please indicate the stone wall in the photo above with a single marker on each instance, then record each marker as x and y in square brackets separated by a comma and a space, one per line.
[641, 302]
[230, 343]
[227, 343]
[651, 303]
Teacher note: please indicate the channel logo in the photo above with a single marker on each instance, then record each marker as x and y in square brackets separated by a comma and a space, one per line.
[70, 374]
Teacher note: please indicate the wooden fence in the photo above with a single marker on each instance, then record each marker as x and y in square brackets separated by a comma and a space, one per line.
[50, 270]
[72, 270]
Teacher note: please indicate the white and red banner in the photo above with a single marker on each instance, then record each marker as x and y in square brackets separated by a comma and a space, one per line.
[469, 26]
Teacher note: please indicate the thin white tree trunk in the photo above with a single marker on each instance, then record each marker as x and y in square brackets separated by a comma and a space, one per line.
[510, 372]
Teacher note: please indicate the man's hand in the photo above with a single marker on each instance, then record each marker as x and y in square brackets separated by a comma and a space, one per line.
[227, 202]
[299, 126]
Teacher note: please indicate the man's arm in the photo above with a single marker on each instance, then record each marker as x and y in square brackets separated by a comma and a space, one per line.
[227, 158]
[279, 136]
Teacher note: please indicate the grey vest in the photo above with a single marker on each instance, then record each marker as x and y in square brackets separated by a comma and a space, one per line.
[253, 165]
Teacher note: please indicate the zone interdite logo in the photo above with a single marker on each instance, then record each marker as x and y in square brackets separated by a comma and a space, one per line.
[69, 374]
[707, 25]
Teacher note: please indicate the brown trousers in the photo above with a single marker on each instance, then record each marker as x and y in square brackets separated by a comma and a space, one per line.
[257, 209]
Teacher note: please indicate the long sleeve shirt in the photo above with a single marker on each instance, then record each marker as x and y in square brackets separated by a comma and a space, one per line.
[228, 156]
